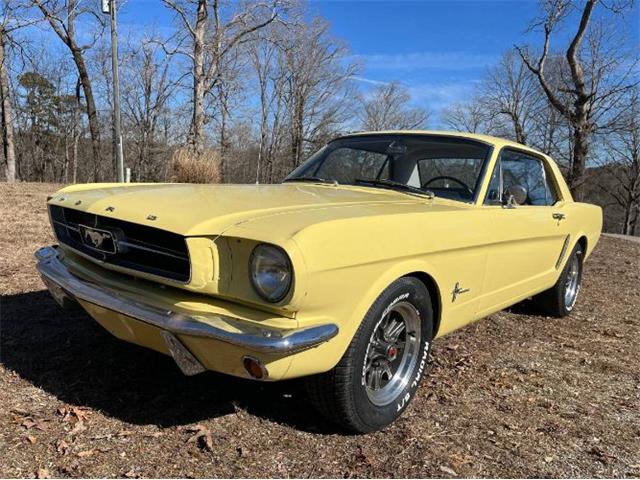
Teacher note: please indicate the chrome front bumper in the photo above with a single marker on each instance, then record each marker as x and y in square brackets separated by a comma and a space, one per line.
[66, 287]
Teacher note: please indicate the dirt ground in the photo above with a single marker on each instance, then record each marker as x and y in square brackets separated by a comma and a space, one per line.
[513, 395]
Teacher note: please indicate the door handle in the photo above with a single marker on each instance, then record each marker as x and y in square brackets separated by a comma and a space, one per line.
[559, 216]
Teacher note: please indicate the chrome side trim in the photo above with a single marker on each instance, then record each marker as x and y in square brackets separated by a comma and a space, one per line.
[219, 327]
[563, 252]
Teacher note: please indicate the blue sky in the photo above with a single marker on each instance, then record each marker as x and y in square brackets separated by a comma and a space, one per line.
[438, 49]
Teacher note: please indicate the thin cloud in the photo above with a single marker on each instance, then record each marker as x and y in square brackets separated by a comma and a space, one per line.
[439, 95]
[406, 62]
[368, 80]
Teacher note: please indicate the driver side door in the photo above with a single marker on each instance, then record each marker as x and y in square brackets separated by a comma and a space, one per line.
[527, 239]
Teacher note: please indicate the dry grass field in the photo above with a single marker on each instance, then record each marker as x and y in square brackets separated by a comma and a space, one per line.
[511, 395]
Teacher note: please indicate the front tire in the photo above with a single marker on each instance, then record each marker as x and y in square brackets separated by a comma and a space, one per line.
[379, 373]
[560, 299]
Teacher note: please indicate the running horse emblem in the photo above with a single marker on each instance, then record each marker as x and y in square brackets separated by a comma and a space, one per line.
[96, 238]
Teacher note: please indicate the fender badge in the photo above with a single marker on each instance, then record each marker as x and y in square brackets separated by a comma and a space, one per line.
[457, 290]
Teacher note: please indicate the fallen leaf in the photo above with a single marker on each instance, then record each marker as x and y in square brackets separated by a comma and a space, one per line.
[601, 455]
[86, 453]
[62, 447]
[42, 473]
[202, 436]
[74, 414]
[448, 470]
[78, 428]
[28, 423]
[63, 412]
[80, 413]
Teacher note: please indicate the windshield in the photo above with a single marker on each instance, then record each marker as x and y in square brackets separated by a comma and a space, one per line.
[445, 166]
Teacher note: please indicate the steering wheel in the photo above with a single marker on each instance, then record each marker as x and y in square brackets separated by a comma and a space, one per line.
[447, 177]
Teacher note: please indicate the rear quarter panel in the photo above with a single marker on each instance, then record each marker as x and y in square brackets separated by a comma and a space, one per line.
[586, 221]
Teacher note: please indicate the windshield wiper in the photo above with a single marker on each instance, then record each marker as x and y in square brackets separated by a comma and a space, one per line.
[311, 179]
[390, 184]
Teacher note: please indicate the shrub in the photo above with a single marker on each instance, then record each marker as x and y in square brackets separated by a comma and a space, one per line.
[186, 167]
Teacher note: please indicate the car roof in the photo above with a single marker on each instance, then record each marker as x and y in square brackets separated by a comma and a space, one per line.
[495, 141]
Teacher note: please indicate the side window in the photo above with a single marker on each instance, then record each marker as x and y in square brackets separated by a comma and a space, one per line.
[516, 168]
[345, 164]
[494, 192]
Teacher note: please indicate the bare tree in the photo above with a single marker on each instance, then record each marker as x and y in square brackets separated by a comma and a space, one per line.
[228, 93]
[12, 20]
[512, 92]
[271, 80]
[623, 164]
[148, 86]
[304, 91]
[206, 41]
[594, 85]
[388, 107]
[62, 16]
[471, 116]
[7, 111]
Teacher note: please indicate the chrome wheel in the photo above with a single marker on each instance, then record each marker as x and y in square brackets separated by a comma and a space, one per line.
[392, 353]
[572, 283]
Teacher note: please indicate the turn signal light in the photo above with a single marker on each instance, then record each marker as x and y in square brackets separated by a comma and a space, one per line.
[255, 368]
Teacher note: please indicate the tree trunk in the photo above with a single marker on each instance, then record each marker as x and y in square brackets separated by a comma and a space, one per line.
[196, 131]
[7, 116]
[626, 225]
[521, 136]
[92, 113]
[224, 142]
[76, 133]
[635, 221]
[297, 133]
[579, 161]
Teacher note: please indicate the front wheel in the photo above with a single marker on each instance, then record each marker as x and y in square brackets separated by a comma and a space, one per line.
[379, 373]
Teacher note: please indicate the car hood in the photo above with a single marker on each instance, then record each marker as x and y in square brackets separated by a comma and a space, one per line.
[194, 210]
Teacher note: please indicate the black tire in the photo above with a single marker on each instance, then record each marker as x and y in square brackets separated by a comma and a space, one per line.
[342, 394]
[554, 302]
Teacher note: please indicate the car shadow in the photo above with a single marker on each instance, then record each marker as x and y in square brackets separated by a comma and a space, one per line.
[70, 356]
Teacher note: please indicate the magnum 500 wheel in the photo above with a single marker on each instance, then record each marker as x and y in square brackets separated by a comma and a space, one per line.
[378, 375]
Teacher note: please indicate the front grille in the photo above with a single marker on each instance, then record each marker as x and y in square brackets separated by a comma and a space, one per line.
[125, 244]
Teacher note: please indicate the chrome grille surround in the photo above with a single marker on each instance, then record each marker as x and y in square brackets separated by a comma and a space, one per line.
[135, 247]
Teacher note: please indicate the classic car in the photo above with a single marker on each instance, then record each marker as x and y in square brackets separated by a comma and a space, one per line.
[344, 273]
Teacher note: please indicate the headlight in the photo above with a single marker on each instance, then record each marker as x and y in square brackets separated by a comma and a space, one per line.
[271, 272]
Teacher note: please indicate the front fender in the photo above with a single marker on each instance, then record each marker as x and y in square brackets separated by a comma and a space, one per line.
[343, 296]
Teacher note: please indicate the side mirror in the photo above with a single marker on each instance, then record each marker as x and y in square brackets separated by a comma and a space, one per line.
[516, 195]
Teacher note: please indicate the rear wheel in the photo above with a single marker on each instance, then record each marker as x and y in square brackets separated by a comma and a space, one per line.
[560, 299]
[379, 373]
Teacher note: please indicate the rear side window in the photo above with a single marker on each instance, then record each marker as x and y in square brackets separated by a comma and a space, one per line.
[517, 168]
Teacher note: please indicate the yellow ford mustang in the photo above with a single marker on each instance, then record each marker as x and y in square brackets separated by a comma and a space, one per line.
[344, 273]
